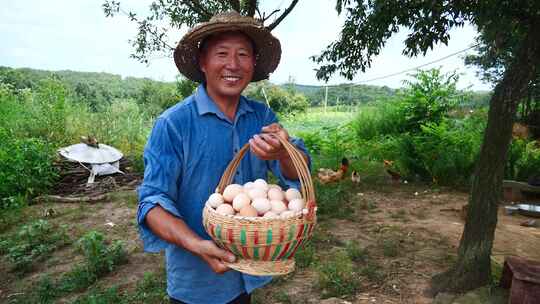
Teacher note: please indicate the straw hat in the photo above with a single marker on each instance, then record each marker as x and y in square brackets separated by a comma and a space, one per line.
[268, 48]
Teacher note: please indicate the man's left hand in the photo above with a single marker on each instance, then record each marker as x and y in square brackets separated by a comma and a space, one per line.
[266, 146]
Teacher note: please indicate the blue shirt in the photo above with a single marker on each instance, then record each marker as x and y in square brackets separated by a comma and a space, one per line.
[188, 150]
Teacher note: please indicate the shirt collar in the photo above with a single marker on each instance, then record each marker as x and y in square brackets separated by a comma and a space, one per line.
[206, 105]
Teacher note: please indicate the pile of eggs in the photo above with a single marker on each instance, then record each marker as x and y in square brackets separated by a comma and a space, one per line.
[258, 199]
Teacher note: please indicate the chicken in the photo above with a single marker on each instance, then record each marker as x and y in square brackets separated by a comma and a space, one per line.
[90, 140]
[355, 177]
[396, 177]
[328, 175]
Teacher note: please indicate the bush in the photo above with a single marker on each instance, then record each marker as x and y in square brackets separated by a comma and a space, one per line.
[27, 167]
[523, 160]
[282, 102]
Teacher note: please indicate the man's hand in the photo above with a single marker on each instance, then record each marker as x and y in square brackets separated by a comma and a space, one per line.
[174, 230]
[214, 256]
[266, 146]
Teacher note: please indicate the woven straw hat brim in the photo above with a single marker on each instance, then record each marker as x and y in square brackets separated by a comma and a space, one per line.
[268, 47]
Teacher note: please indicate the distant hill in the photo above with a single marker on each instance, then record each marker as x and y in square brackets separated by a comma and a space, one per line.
[107, 86]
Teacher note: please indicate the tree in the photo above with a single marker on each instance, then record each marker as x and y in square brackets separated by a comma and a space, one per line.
[152, 36]
[493, 56]
[368, 26]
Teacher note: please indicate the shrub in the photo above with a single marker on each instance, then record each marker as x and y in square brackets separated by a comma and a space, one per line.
[100, 258]
[32, 243]
[27, 167]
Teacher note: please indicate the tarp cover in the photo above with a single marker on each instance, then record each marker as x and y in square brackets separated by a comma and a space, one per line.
[86, 154]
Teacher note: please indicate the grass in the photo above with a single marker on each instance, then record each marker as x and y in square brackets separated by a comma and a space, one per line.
[337, 275]
[100, 259]
[315, 118]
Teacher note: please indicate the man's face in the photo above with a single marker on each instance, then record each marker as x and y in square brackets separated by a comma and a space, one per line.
[228, 63]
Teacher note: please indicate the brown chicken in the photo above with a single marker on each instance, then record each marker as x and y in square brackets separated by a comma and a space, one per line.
[328, 175]
[396, 177]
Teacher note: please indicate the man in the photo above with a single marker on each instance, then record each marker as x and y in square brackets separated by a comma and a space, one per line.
[191, 145]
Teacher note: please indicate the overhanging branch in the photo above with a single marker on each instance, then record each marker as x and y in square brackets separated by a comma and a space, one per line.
[285, 13]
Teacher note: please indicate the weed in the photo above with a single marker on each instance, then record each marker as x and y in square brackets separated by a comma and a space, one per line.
[355, 252]
[337, 276]
[390, 247]
[305, 256]
[32, 243]
[334, 201]
[151, 289]
[372, 272]
[400, 214]
[100, 257]
[282, 297]
[97, 296]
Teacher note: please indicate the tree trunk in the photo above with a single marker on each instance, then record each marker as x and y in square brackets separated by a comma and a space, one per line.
[473, 266]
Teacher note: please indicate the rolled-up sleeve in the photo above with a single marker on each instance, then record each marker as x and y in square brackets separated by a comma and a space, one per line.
[162, 167]
[274, 165]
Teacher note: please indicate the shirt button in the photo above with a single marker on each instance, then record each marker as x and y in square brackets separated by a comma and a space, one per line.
[237, 172]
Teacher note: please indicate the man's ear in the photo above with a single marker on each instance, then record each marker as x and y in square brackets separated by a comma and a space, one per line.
[202, 63]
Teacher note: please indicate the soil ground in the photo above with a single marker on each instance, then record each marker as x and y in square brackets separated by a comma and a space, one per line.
[410, 232]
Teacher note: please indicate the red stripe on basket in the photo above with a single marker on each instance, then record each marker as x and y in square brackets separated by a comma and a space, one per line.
[300, 230]
[283, 251]
[256, 237]
[245, 252]
[281, 234]
[266, 256]
[230, 235]
[295, 248]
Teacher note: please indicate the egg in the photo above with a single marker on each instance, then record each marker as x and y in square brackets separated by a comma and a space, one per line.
[225, 209]
[255, 193]
[270, 214]
[248, 186]
[248, 210]
[277, 206]
[231, 191]
[292, 193]
[240, 201]
[262, 205]
[261, 184]
[275, 194]
[270, 186]
[215, 200]
[287, 214]
[296, 205]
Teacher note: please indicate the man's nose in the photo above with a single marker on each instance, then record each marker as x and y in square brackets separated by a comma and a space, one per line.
[233, 62]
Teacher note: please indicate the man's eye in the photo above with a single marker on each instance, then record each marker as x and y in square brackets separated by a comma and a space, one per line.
[222, 54]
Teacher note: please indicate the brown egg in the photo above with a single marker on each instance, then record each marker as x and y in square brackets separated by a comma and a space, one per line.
[248, 210]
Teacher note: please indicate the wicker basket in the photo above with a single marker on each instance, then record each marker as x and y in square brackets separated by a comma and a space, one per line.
[263, 246]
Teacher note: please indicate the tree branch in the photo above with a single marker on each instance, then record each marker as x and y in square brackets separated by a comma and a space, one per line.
[285, 13]
[250, 7]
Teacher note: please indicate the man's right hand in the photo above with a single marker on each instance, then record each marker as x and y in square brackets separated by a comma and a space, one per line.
[176, 231]
[214, 256]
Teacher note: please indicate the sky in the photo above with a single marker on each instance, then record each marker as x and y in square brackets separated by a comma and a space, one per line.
[76, 35]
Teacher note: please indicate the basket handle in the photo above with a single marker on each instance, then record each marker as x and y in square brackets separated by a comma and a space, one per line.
[299, 163]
